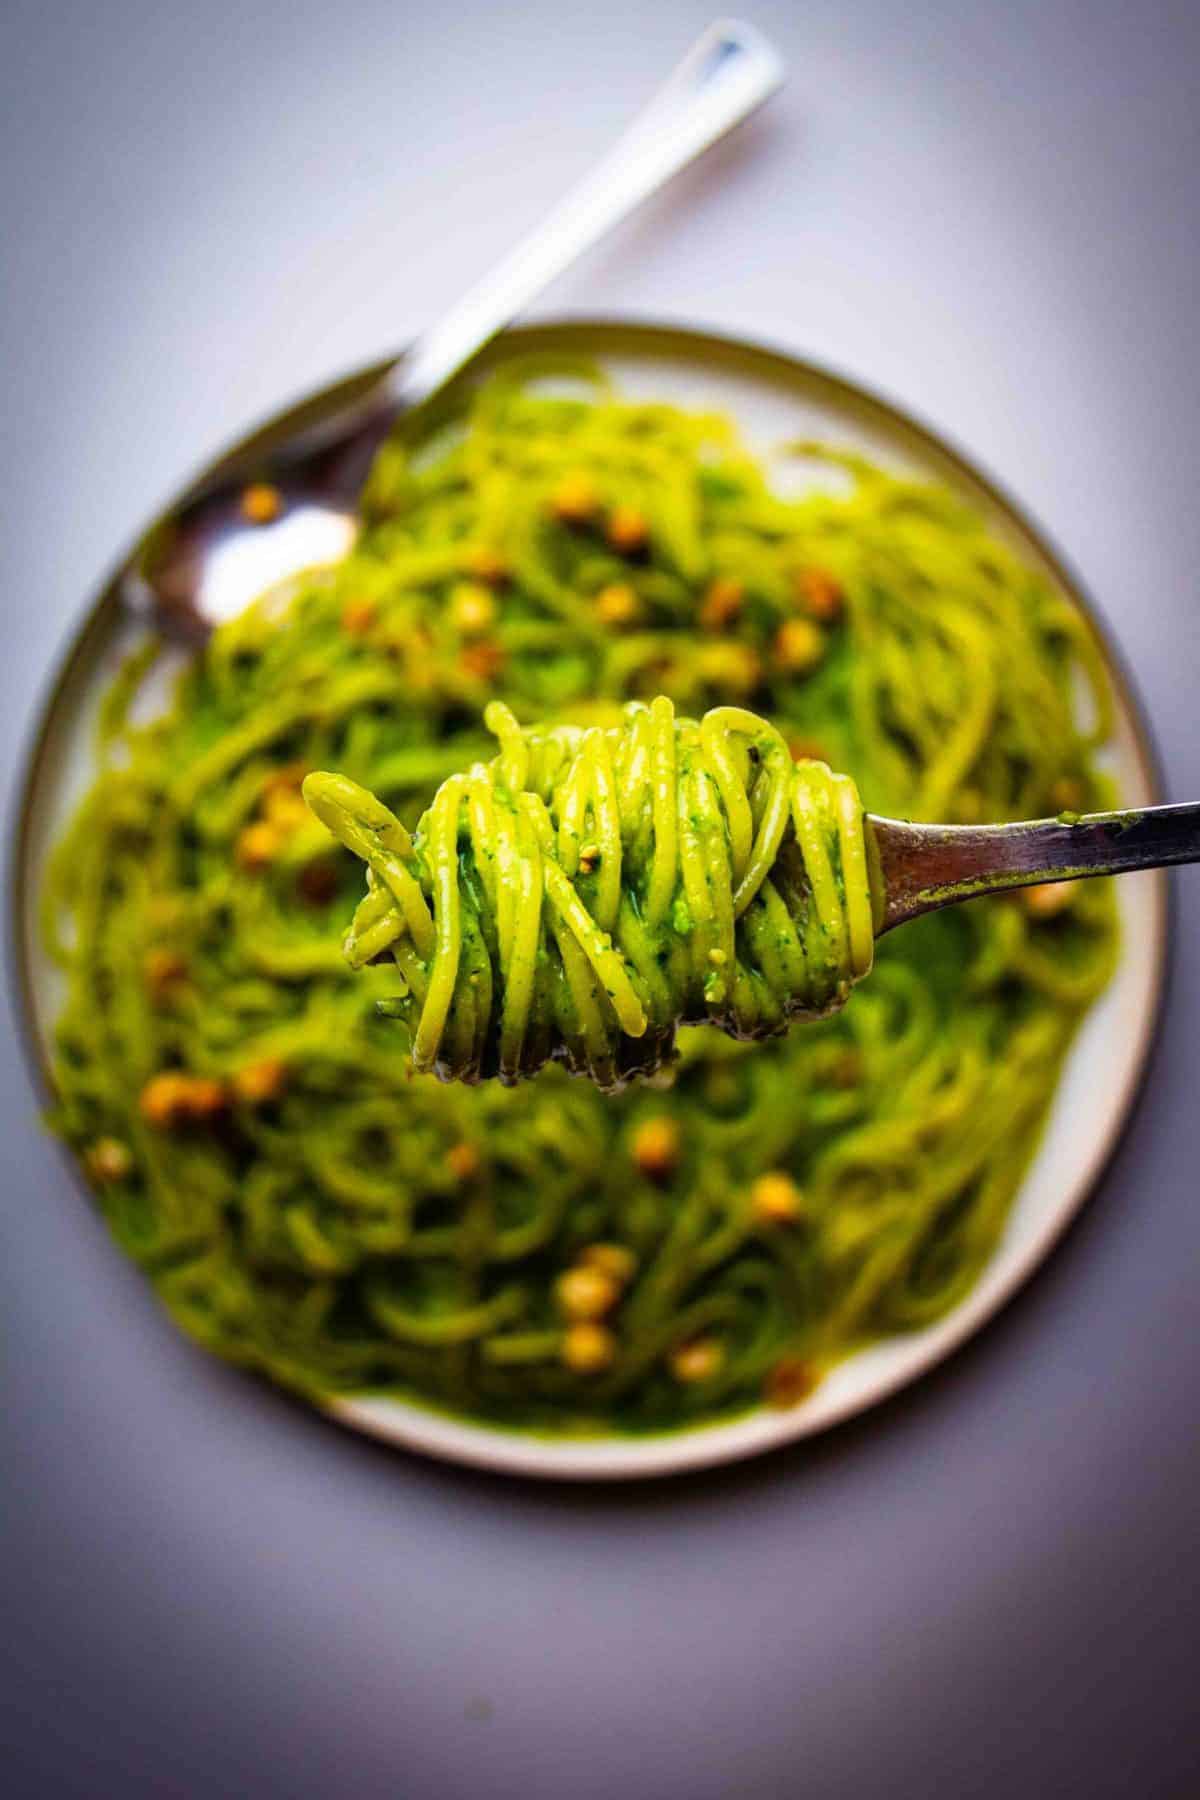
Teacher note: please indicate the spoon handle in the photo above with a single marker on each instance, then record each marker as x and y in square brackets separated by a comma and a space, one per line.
[730, 71]
[920, 867]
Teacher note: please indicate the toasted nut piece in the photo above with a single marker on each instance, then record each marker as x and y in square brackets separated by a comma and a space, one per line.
[789, 1382]
[656, 1146]
[589, 858]
[258, 1083]
[288, 777]
[109, 1159]
[627, 530]
[203, 1096]
[358, 616]
[698, 1361]
[617, 604]
[799, 646]
[483, 660]
[775, 1198]
[584, 1293]
[722, 602]
[819, 593]
[284, 809]
[1047, 899]
[575, 500]
[735, 668]
[257, 845]
[162, 1099]
[163, 970]
[472, 608]
[614, 1260]
[463, 1161]
[261, 503]
[486, 564]
[588, 1348]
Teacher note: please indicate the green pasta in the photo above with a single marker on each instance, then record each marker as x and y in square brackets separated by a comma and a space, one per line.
[589, 891]
[545, 1255]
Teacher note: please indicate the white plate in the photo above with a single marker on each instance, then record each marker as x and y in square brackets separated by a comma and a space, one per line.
[773, 397]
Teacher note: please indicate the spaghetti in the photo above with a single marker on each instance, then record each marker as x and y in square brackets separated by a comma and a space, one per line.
[589, 891]
[306, 1204]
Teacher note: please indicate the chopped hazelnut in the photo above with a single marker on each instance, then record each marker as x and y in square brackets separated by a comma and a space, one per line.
[819, 593]
[575, 500]
[775, 1199]
[257, 845]
[698, 1361]
[109, 1159]
[463, 1161]
[486, 564]
[586, 1293]
[722, 602]
[258, 1083]
[483, 660]
[656, 1146]
[789, 1382]
[614, 1260]
[587, 1347]
[472, 608]
[172, 1096]
[161, 1100]
[288, 777]
[627, 530]
[617, 604]
[163, 970]
[358, 616]
[799, 646]
[284, 809]
[203, 1096]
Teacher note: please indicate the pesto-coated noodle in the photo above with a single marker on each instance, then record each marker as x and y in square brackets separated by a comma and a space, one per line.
[590, 890]
[307, 1205]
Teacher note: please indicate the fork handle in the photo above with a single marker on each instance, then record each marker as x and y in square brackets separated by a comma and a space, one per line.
[919, 867]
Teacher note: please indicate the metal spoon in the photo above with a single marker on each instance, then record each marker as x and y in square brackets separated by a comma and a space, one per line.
[917, 868]
[266, 518]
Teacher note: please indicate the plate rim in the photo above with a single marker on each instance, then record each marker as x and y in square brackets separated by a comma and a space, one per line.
[412, 1424]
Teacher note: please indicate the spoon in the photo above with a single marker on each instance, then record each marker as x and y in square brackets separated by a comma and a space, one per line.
[920, 867]
[266, 518]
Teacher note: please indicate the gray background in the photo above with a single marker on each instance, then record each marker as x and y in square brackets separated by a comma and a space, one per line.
[989, 1587]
